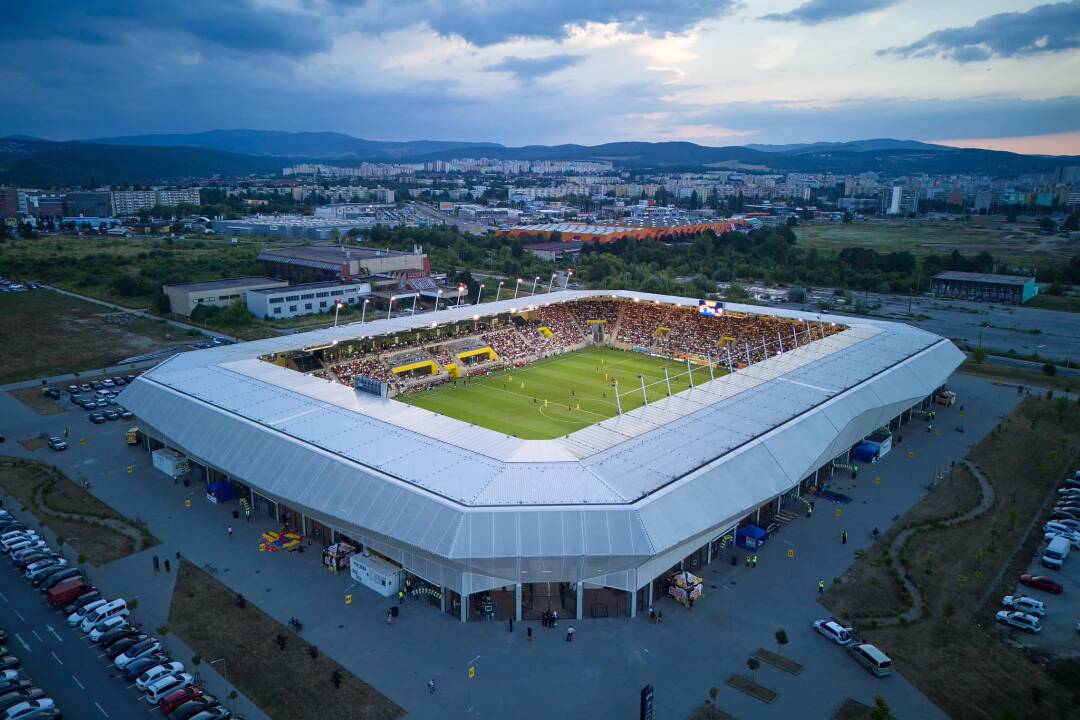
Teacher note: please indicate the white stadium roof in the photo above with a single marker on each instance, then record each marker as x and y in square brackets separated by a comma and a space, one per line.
[623, 488]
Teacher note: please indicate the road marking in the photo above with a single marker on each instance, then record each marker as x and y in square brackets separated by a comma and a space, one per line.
[37, 636]
[56, 658]
[50, 629]
[101, 709]
[2, 595]
[131, 686]
[81, 687]
[20, 615]
[22, 642]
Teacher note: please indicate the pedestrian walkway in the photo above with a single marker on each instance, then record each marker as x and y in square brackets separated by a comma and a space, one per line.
[609, 660]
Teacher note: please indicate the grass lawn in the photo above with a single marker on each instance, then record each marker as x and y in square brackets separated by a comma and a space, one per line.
[1065, 303]
[285, 683]
[1021, 243]
[41, 404]
[1020, 376]
[955, 652]
[46, 333]
[71, 512]
[557, 396]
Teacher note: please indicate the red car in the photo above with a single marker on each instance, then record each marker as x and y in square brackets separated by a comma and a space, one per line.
[1041, 582]
[175, 699]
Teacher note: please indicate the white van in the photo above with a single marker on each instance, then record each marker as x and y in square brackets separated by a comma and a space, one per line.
[77, 617]
[163, 686]
[1056, 551]
[875, 661]
[108, 610]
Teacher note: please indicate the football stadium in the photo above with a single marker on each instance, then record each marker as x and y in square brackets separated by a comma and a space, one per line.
[582, 451]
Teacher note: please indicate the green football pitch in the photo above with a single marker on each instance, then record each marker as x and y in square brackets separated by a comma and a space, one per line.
[557, 396]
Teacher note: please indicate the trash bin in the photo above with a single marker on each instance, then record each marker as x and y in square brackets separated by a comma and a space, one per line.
[394, 611]
[236, 514]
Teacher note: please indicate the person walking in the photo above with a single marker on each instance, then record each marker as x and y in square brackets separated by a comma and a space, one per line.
[570, 634]
[748, 561]
[167, 565]
[753, 561]
[843, 538]
[821, 586]
[431, 687]
[400, 597]
[230, 531]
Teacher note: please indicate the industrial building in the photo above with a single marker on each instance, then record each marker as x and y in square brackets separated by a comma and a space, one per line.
[293, 226]
[319, 263]
[598, 518]
[984, 287]
[307, 299]
[184, 298]
[610, 233]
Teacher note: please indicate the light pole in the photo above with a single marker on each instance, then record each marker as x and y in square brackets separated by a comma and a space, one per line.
[390, 307]
[461, 289]
[438, 297]
[517, 287]
[363, 311]
[552, 283]
[535, 280]
[224, 673]
[414, 297]
[569, 274]
[498, 291]
[337, 308]
[479, 292]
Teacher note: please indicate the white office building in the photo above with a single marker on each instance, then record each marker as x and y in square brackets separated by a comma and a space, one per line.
[309, 299]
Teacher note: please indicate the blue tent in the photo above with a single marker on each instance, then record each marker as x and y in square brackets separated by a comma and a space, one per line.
[220, 491]
[750, 537]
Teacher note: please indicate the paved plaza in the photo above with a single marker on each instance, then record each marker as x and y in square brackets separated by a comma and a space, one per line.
[601, 672]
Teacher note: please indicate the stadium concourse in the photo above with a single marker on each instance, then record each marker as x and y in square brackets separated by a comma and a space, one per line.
[308, 429]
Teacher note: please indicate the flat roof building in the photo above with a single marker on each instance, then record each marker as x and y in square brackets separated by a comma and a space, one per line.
[308, 299]
[321, 263]
[184, 298]
[984, 287]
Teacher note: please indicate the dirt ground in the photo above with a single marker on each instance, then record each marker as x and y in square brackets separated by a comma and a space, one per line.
[46, 333]
[955, 652]
[32, 398]
[100, 545]
[284, 683]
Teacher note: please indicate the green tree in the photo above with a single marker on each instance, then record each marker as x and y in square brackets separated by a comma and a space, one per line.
[979, 355]
[753, 663]
[881, 710]
[781, 638]
[1049, 369]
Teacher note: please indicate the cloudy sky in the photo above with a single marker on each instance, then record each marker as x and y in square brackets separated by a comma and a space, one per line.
[988, 73]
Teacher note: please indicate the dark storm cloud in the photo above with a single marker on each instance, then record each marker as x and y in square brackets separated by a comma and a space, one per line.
[1043, 29]
[814, 12]
[528, 70]
[488, 23]
[236, 25]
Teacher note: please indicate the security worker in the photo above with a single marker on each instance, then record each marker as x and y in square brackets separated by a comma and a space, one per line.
[821, 586]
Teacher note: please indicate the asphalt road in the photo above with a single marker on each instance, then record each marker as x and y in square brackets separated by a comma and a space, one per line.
[58, 659]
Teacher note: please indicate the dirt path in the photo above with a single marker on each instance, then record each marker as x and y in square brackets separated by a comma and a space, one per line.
[132, 533]
[914, 612]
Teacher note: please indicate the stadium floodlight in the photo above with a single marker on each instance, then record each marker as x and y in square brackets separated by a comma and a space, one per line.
[363, 312]
[517, 287]
[498, 291]
[479, 291]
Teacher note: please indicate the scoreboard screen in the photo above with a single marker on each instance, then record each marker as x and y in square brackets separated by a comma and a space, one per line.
[711, 308]
[373, 387]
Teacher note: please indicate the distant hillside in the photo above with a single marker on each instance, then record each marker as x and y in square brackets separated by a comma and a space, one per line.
[314, 145]
[39, 163]
[872, 145]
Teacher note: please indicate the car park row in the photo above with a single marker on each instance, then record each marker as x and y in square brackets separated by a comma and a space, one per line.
[136, 657]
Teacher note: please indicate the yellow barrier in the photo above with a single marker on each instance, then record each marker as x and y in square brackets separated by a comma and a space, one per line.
[430, 364]
[453, 370]
[478, 351]
[546, 332]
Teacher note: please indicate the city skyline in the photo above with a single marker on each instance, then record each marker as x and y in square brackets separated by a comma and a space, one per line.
[997, 74]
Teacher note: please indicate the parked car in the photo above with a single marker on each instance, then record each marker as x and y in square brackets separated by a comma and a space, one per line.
[72, 389]
[1030, 623]
[178, 697]
[124, 412]
[1031, 606]
[106, 625]
[97, 418]
[117, 634]
[834, 631]
[8, 662]
[35, 570]
[163, 686]
[155, 673]
[86, 387]
[120, 647]
[20, 696]
[53, 580]
[15, 685]
[82, 601]
[138, 667]
[111, 415]
[25, 709]
[68, 590]
[214, 712]
[76, 616]
[57, 443]
[9, 675]
[1042, 582]
[136, 651]
[49, 573]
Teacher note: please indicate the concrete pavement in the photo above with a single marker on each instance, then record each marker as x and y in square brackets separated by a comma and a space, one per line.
[600, 673]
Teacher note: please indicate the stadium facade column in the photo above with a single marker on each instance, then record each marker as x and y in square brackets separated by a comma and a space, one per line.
[303, 524]
[757, 518]
[579, 613]
[443, 592]
[633, 604]
[517, 601]
[464, 609]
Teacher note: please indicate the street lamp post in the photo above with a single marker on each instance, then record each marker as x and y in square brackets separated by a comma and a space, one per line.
[569, 274]
[337, 308]
[461, 289]
[363, 311]
[414, 297]
[224, 674]
[535, 280]
[517, 287]
[390, 307]
[498, 291]
[438, 297]
[552, 283]
[479, 292]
